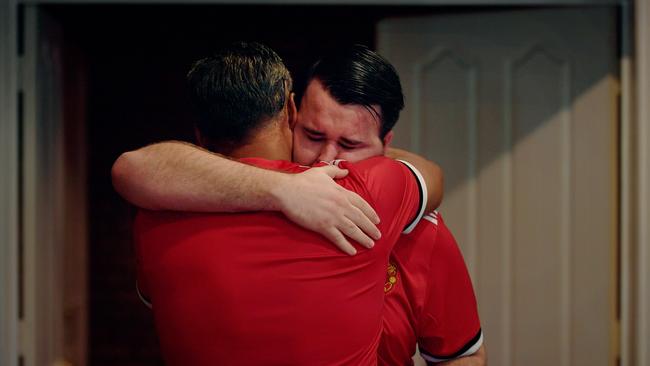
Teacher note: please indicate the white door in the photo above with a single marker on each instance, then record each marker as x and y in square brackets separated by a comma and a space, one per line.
[519, 107]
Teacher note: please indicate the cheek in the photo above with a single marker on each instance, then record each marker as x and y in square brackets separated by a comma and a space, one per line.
[305, 151]
[359, 154]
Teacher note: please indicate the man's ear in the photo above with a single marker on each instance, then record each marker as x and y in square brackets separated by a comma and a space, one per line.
[387, 139]
[293, 111]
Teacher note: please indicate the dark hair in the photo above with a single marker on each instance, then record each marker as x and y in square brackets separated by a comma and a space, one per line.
[358, 75]
[236, 91]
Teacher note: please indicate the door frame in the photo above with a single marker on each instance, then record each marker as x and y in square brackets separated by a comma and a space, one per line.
[9, 184]
[634, 152]
[635, 184]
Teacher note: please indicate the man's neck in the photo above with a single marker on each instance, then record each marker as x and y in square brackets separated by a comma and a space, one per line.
[260, 151]
[268, 143]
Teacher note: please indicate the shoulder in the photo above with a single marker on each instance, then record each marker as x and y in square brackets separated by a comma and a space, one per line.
[445, 240]
[386, 175]
[375, 165]
[433, 218]
[281, 165]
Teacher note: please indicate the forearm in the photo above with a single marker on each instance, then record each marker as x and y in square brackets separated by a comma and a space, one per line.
[179, 176]
[431, 172]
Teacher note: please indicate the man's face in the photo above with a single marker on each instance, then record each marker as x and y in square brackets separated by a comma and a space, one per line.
[326, 130]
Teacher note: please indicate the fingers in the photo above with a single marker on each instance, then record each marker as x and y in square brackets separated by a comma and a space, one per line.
[334, 171]
[361, 221]
[365, 208]
[335, 236]
[352, 231]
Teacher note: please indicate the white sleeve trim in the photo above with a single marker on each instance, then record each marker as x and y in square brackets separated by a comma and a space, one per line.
[142, 298]
[470, 351]
[432, 217]
[423, 190]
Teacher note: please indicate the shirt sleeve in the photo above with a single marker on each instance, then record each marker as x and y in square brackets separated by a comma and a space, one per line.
[396, 190]
[449, 325]
[423, 196]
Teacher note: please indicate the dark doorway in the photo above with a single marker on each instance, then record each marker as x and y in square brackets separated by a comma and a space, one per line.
[135, 59]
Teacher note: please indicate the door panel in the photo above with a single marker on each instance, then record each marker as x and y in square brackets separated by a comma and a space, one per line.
[448, 91]
[519, 107]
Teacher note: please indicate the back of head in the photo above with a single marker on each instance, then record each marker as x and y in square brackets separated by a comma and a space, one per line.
[236, 91]
[358, 75]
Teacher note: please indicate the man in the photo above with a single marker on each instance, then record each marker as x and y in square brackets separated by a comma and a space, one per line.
[429, 298]
[253, 288]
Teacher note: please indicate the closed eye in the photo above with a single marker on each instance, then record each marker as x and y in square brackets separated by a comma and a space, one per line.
[348, 144]
[314, 135]
[314, 138]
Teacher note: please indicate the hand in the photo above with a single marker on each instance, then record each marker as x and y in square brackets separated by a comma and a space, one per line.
[314, 201]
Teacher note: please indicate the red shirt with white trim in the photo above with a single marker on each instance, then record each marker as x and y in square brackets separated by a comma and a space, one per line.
[256, 289]
[429, 299]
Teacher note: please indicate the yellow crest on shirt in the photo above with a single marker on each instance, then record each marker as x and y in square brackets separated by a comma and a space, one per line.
[391, 277]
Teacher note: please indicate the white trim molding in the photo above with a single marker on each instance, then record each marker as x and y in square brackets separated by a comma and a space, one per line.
[641, 275]
[43, 212]
[626, 178]
[8, 184]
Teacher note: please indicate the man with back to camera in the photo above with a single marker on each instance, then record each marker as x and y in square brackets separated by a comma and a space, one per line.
[253, 288]
[429, 298]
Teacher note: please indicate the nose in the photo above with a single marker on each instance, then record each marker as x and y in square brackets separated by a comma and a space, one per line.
[328, 152]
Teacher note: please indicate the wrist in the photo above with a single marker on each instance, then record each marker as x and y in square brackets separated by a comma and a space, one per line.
[276, 188]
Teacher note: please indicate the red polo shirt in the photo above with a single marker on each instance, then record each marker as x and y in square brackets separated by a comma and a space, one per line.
[256, 289]
[429, 298]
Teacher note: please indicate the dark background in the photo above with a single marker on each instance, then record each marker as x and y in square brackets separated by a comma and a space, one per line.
[134, 60]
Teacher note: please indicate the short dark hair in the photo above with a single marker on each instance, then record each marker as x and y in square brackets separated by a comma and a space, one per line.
[358, 75]
[236, 91]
